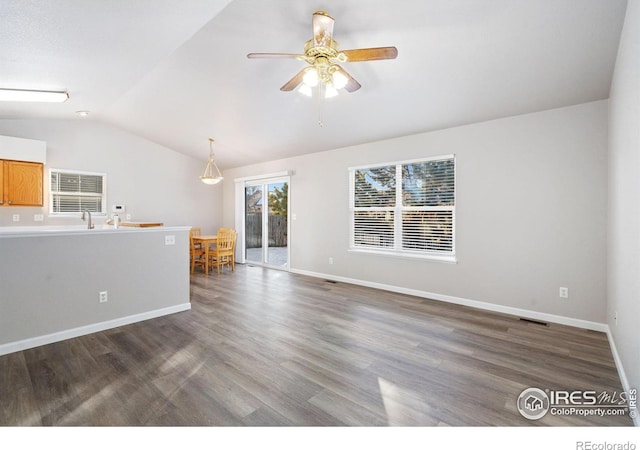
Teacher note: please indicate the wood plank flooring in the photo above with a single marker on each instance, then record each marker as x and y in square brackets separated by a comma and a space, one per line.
[264, 348]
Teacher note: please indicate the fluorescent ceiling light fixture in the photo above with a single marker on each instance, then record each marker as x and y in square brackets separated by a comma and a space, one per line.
[20, 95]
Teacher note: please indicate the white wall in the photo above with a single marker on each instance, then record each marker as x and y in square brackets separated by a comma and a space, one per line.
[23, 149]
[50, 282]
[623, 292]
[153, 182]
[531, 212]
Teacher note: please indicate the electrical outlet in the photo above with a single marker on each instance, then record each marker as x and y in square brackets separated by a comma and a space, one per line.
[38, 217]
[564, 292]
[170, 240]
[331, 260]
[103, 297]
[16, 217]
[128, 216]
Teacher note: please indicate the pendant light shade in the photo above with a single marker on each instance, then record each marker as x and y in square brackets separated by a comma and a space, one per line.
[211, 173]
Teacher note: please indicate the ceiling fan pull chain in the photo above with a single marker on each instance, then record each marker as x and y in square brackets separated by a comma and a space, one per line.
[320, 101]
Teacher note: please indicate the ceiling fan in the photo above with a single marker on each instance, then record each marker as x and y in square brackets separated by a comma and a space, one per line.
[323, 57]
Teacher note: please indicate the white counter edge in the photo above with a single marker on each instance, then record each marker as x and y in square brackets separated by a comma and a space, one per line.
[34, 231]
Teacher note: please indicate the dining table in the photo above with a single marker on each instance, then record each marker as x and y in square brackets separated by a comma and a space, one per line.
[206, 240]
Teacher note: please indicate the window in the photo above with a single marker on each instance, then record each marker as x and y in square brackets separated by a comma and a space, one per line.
[405, 209]
[73, 191]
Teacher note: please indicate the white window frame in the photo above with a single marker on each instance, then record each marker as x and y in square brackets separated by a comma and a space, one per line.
[398, 209]
[53, 193]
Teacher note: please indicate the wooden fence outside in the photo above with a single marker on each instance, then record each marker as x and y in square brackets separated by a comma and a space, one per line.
[277, 230]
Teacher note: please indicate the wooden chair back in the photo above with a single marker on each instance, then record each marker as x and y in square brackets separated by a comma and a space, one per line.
[223, 252]
[196, 252]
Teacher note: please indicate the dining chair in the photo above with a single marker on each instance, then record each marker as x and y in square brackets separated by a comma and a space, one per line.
[235, 237]
[233, 255]
[222, 254]
[196, 231]
[197, 254]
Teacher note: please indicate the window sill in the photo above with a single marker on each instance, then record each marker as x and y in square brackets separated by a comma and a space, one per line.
[447, 259]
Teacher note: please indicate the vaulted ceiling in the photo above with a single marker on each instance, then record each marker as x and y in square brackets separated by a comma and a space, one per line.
[176, 72]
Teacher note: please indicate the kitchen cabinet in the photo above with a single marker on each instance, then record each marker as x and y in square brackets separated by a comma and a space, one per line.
[21, 183]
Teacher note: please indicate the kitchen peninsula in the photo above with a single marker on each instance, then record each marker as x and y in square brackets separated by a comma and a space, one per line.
[61, 282]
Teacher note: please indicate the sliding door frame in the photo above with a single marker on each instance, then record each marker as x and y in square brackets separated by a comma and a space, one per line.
[240, 198]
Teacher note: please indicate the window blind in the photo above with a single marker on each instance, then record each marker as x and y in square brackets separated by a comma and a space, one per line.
[405, 208]
[73, 192]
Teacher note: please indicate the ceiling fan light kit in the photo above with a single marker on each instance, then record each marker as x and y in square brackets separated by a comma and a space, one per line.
[322, 54]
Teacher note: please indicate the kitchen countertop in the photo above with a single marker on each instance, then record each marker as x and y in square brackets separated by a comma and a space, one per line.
[60, 230]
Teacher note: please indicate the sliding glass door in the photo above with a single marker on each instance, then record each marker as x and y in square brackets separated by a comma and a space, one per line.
[266, 222]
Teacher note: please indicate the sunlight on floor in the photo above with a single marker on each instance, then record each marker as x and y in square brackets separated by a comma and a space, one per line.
[404, 407]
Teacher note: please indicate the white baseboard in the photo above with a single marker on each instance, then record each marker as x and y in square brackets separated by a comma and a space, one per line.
[525, 313]
[88, 329]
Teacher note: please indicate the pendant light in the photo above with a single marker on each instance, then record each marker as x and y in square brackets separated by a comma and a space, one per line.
[209, 176]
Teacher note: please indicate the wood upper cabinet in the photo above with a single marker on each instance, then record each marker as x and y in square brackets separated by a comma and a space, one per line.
[21, 183]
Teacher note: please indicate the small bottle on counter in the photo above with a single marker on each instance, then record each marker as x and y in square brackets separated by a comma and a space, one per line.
[116, 221]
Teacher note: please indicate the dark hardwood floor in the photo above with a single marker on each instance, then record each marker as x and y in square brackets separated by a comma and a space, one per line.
[264, 347]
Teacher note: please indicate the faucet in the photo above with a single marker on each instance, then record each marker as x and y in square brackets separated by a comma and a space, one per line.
[89, 225]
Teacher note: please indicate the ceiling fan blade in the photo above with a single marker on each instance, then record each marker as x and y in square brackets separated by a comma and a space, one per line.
[352, 85]
[295, 81]
[370, 54]
[322, 29]
[274, 55]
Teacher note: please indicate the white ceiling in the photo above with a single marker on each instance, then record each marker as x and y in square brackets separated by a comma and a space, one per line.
[175, 71]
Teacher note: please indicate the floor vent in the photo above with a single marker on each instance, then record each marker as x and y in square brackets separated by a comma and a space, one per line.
[536, 322]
